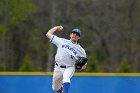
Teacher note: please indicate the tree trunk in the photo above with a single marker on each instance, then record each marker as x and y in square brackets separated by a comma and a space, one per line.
[130, 33]
[51, 61]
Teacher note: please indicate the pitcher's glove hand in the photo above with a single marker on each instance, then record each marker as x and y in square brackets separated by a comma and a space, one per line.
[80, 62]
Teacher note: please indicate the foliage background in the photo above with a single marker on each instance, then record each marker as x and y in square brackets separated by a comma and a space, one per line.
[110, 33]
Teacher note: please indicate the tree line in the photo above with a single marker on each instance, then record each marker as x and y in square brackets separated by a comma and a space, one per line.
[110, 33]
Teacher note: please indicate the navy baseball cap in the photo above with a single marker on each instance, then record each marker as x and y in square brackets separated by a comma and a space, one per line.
[76, 31]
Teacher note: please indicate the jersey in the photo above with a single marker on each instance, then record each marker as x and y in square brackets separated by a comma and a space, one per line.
[67, 51]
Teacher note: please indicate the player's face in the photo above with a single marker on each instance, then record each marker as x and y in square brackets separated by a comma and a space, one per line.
[74, 37]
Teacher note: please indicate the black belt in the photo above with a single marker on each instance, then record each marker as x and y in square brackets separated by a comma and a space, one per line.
[60, 66]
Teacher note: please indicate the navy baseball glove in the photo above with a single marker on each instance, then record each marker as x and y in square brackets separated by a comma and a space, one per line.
[80, 62]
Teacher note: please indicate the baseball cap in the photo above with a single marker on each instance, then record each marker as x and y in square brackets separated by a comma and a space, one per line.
[76, 31]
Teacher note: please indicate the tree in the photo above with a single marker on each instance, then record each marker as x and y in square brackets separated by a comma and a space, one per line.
[15, 14]
[26, 66]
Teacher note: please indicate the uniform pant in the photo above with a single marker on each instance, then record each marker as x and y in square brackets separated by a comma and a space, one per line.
[62, 75]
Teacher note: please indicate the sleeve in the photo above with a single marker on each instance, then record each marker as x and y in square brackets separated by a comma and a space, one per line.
[85, 55]
[82, 52]
[55, 40]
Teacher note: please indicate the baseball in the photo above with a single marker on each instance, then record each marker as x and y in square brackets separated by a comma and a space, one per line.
[61, 27]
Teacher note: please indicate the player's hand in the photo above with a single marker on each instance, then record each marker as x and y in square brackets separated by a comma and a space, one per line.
[58, 28]
[52, 30]
[84, 67]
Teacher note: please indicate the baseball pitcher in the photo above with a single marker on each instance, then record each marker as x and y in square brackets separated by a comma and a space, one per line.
[70, 56]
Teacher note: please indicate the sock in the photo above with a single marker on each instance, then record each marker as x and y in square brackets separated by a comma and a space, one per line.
[66, 87]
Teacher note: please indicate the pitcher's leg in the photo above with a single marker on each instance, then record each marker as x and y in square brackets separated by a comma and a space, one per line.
[57, 81]
[68, 73]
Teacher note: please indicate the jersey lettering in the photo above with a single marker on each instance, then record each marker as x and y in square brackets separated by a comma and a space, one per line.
[70, 48]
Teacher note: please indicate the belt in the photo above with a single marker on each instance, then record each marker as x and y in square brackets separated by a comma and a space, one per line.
[60, 66]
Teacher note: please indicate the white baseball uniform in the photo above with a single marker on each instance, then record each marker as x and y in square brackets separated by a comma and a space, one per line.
[65, 57]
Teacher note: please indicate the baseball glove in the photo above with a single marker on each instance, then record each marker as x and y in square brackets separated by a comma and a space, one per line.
[80, 62]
